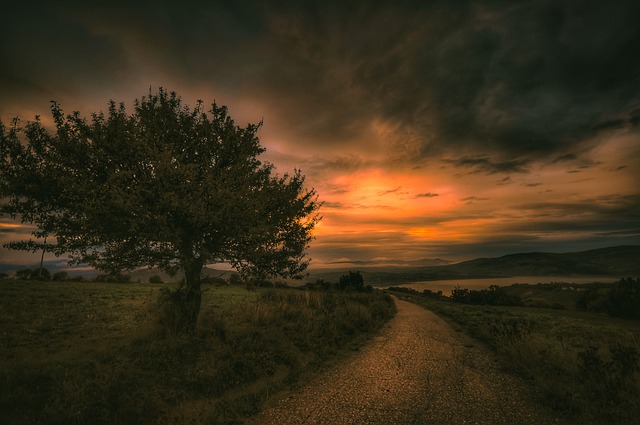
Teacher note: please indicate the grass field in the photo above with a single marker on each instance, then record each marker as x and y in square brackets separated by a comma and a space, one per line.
[585, 365]
[92, 352]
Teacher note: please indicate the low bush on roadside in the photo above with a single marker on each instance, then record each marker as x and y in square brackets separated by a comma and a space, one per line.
[495, 295]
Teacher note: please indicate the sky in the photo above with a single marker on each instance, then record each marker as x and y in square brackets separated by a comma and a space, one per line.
[430, 129]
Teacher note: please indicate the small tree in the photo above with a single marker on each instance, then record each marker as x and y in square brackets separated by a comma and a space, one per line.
[24, 274]
[353, 280]
[155, 279]
[62, 275]
[623, 299]
[166, 186]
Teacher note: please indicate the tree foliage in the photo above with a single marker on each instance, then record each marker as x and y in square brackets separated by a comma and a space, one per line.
[166, 186]
[353, 280]
[494, 295]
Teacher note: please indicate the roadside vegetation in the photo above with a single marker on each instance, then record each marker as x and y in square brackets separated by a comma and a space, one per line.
[585, 363]
[87, 352]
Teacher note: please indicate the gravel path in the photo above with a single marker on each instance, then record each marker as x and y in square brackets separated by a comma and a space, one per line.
[418, 370]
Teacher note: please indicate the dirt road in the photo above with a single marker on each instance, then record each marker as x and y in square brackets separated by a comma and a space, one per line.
[418, 370]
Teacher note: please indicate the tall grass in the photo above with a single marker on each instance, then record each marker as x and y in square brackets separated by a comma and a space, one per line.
[586, 366]
[247, 347]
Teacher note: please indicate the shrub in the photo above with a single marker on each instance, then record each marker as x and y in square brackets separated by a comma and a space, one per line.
[113, 278]
[235, 279]
[353, 280]
[23, 274]
[613, 384]
[213, 280]
[58, 276]
[624, 299]
[155, 279]
[495, 295]
[34, 274]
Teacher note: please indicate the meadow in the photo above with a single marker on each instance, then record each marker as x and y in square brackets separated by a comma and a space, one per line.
[78, 353]
[585, 365]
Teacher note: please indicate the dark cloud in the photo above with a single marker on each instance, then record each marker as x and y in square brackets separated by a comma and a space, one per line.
[564, 158]
[473, 199]
[391, 191]
[427, 195]
[502, 79]
[605, 211]
[483, 164]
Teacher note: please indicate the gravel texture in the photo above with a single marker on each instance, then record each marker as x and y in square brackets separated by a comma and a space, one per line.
[418, 370]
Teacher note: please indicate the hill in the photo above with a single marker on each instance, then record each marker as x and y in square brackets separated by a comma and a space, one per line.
[613, 261]
[619, 261]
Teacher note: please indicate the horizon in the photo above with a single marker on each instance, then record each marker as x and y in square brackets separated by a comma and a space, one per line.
[60, 264]
[428, 130]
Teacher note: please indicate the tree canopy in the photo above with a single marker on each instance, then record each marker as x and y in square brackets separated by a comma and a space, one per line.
[166, 186]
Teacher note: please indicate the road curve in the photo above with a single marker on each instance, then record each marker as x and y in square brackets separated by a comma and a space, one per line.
[418, 370]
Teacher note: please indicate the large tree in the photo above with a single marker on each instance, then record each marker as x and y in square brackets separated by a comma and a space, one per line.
[166, 186]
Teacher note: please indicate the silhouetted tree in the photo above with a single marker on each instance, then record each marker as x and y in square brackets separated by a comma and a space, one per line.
[166, 186]
[155, 279]
[62, 275]
[624, 299]
[24, 274]
[353, 280]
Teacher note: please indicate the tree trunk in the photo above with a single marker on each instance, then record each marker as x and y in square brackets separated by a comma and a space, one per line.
[182, 307]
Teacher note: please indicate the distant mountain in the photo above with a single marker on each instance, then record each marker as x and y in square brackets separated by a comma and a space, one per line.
[620, 261]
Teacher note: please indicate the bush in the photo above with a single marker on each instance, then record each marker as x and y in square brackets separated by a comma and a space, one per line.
[213, 280]
[58, 276]
[624, 299]
[427, 293]
[113, 278]
[353, 280]
[33, 274]
[235, 279]
[495, 295]
[23, 274]
[155, 279]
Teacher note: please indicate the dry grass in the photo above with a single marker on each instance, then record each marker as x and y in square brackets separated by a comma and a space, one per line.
[92, 353]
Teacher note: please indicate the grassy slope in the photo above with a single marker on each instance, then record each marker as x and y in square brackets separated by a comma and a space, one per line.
[91, 353]
[585, 365]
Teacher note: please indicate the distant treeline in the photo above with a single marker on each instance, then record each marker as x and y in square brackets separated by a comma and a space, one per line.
[350, 281]
[619, 299]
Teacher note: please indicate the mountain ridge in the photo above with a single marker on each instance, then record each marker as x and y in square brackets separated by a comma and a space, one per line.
[617, 261]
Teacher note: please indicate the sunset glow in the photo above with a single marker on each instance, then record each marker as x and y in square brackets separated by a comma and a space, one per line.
[429, 130]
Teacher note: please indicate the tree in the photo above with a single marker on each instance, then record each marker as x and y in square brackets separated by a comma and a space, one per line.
[24, 274]
[352, 280]
[155, 279]
[167, 186]
[62, 275]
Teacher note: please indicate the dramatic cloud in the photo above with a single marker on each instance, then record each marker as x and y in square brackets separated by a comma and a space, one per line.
[428, 128]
